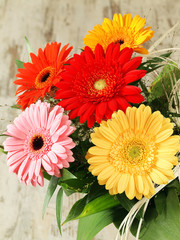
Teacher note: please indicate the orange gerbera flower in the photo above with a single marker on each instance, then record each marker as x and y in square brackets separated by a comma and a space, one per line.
[128, 31]
[36, 79]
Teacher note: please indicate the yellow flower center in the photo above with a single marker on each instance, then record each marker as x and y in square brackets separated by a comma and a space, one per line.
[135, 152]
[131, 153]
[100, 84]
[44, 78]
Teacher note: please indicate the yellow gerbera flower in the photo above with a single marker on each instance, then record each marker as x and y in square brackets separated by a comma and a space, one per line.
[126, 30]
[132, 151]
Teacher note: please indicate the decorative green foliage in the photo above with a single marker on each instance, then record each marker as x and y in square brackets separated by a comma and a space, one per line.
[51, 188]
[76, 210]
[19, 63]
[154, 63]
[164, 82]
[89, 226]
[59, 201]
[166, 225]
[2, 148]
[29, 48]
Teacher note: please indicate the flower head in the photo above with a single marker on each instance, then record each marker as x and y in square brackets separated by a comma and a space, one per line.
[127, 31]
[132, 151]
[37, 79]
[96, 84]
[39, 141]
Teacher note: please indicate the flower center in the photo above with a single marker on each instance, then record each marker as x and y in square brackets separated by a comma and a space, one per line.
[44, 78]
[100, 84]
[37, 143]
[120, 41]
[133, 154]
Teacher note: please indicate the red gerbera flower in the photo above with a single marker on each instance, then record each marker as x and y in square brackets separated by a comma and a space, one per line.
[94, 85]
[37, 78]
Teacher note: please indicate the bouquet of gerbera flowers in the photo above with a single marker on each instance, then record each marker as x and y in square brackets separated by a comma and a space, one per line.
[91, 124]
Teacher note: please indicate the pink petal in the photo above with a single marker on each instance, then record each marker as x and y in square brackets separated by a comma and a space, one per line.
[56, 123]
[58, 133]
[38, 167]
[52, 156]
[57, 148]
[15, 132]
[41, 179]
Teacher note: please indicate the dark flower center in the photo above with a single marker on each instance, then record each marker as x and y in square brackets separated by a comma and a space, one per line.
[37, 143]
[45, 77]
[121, 42]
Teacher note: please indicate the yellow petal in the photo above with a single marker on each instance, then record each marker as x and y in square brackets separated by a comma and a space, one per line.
[163, 135]
[102, 142]
[106, 173]
[111, 180]
[131, 112]
[97, 169]
[164, 164]
[158, 177]
[146, 185]
[123, 182]
[98, 160]
[98, 151]
[130, 190]
[139, 183]
[151, 185]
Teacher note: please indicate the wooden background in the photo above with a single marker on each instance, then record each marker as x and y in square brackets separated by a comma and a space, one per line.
[63, 21]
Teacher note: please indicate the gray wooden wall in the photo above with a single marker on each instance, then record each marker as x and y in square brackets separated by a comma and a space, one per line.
[64, 21]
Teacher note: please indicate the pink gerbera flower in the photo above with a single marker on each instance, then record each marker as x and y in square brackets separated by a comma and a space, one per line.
[39, 141]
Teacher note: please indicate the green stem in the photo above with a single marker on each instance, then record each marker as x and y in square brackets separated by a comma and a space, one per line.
[144, 88]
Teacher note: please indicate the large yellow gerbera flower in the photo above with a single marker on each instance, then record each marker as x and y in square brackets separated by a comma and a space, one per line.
[132, 151]
[126, 30]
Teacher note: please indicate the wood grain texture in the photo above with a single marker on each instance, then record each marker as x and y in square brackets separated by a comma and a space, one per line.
[65, 21]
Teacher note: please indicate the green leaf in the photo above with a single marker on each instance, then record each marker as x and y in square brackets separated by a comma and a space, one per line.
[50, 190]
[2, 150]
[96, 191]
[46, 175]
[29, 48]
[59, 201]
[159, 201]
[163, 82]
[99, 204]
[66, 175]
[125, 202]
[166, 225]
[19, 63]
[76, 209]
[89, 226]
[15, 106]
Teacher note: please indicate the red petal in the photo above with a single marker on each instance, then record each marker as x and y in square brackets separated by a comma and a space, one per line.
[129, 90]
[66, 102]
[88, 54]
[138, 98]
[122, 102]
[65, 94]
[112, 105]
[132, 64]
[134, 75]
[125, 56]
[101, 109]
[109, 54]
[91, 121]
[84, 107]
[74, 113]
[116, 51]
[99, 53]
[88, 113]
